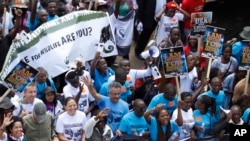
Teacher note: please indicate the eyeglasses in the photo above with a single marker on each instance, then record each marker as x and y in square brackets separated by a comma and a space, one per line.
[142, 109]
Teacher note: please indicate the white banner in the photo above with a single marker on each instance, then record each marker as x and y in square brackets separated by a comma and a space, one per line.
[55, 44]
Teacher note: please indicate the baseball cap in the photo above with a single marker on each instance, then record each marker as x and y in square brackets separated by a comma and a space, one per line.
[6, 104]
[48, 89]
[40, 111]
[171, 5]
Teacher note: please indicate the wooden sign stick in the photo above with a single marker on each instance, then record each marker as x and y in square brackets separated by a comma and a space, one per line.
[5, 94]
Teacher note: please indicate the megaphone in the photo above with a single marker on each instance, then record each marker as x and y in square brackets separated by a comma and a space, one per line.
[153, 51]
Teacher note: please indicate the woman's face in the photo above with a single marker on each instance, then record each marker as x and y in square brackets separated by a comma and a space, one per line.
[200, 106]
[41, 77]
[71, 107]
[187, 103]
[227, 53]
[50, 96]
[164, 117]
[192, 42]
[17, 129]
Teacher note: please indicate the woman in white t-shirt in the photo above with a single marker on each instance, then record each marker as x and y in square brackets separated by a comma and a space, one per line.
[70, 124]
[184, 118]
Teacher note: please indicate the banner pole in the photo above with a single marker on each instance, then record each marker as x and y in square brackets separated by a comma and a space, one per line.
[246, 84]
[5, 94]
[178, 88]
[208, 71]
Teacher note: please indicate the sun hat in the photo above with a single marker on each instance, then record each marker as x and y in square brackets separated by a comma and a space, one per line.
[245, 34]
[6, 104]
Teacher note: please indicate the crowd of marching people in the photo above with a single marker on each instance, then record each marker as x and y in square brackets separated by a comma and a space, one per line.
[107, 102]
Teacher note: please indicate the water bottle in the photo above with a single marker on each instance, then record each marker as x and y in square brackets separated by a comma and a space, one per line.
[202, 133]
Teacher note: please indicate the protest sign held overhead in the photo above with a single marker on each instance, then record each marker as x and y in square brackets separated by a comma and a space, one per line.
[199, 20]
[173, 61]
[214, 39]
[245, 59]
[55, 44]
[20, 75]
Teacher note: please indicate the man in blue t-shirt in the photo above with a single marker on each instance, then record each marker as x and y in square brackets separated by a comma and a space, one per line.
[168, 98]
[120, 76]
[217, 94]
[134, 123]
[117, 107]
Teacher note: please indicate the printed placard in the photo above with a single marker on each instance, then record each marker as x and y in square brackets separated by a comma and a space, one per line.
[214, 39]
[173, 61]
[199, 20]
[245, 59]
[21, 75]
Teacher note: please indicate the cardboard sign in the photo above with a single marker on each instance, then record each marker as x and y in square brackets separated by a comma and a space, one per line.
[245, 59]
[21, 75]
[199, 21]
[173, 61]
[214, 39]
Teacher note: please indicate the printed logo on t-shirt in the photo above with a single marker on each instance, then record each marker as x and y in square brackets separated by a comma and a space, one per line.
[171, 104]
[198, 118]
[123, 89]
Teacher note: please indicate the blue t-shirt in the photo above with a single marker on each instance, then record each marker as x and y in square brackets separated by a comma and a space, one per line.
[219, 99]
[125, 91]
[246, 116]
[153, 130]
[170, 106]
[133, 125]
[116, 111]
[206, 119]
[40, 87]
[99, 79]
[237, 49]
[33, 26]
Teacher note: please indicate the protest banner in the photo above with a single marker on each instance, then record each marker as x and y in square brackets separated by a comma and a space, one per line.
[199, 20]
[214, 39]
[21, 75]
[173, 61]
[54, 45]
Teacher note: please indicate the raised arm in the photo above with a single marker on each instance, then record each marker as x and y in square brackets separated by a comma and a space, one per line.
[93, 63]
[92, 90]
[33, 12]
[18, 13]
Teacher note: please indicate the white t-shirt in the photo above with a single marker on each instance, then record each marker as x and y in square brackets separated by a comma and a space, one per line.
[85, 99]
[188, 123]
[71, 126]
[165, 24]
[20, 105]
[186, 81]
[133, 75]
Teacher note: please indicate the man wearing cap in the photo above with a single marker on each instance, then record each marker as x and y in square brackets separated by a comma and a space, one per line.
[237, 47]
[38, 126]
[168, 18]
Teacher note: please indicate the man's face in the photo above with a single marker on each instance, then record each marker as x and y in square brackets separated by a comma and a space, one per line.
[52, 9]
[169, 94]
[114, 94]
[30, 93]
[43, 16]
[216, 86]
